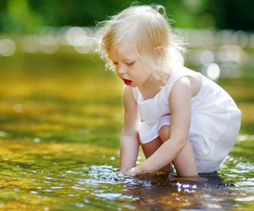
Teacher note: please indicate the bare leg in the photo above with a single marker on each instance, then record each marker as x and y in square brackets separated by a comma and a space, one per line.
[151, 147]
[185, 161]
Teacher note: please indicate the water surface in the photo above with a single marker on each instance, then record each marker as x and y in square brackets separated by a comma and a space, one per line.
[60, 126]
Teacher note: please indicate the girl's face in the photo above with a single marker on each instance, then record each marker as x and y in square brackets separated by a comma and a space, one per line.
[128, 66]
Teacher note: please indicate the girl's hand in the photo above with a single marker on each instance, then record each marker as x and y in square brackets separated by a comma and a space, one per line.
[134, 170]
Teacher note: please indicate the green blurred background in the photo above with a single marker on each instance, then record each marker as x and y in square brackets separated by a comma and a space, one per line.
[25, 16]
[61, 113]
[218, 31]
[37, 33]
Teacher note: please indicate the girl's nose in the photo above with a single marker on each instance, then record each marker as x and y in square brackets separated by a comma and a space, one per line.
[121, 70]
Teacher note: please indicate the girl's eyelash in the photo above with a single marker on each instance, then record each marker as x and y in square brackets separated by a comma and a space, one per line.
[129, 64]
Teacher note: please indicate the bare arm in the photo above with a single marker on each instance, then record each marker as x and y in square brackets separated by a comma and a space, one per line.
[180, 106]
[129, 141]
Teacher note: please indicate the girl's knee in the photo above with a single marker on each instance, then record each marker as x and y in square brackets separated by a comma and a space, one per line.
[150, 147]
[164, 133]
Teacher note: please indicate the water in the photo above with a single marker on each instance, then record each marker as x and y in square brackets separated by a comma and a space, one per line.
[60, 125]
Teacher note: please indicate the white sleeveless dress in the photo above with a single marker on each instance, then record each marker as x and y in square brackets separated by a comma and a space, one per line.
[215, 119]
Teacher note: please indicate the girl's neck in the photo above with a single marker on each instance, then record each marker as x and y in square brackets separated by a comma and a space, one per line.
[151, 88]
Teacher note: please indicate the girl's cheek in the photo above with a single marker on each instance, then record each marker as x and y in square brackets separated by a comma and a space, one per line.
[117, 74]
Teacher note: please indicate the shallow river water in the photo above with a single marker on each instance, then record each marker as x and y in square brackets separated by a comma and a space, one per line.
[60, 126]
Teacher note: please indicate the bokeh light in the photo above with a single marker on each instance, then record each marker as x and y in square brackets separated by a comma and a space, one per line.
[207, 57]
[29, 44]
[229, 50]
[213, 71]
[7, 47]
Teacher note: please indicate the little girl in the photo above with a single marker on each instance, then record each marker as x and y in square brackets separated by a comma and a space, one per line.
[187, 119]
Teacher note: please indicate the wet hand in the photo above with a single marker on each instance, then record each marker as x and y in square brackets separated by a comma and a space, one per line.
[134, 170]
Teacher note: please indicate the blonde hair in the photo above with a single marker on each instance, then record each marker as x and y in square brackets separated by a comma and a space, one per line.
[143, 28]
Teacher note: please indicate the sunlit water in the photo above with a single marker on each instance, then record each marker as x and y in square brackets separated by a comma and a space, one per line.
[60, 125]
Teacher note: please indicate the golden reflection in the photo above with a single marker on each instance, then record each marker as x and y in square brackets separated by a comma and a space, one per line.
[60, 126]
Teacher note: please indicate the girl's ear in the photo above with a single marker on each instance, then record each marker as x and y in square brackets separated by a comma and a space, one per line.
[159, 53]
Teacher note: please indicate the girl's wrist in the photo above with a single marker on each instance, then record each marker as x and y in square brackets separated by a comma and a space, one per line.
[134, 170]
[137, 170]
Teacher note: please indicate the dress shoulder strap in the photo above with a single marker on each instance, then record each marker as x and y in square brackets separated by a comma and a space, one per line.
[177, 73]
[180, 72]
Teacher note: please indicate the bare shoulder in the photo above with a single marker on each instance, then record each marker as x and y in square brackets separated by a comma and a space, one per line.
[182, 85]
[189, 84]
[128, 98]
[127, 90]
[127, 93]
[180, 95]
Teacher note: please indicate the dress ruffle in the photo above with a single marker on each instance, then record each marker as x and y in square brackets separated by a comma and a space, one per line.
[149, 132]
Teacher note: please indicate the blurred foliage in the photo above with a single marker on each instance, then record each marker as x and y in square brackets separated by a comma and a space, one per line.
[232, 14]
[27, 15]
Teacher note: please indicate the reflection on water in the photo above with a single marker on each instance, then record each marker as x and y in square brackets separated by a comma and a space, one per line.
[172, 193]
[65, 184]
[60, 125]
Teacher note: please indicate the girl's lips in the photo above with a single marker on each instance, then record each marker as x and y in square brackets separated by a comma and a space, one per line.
[127, 82]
